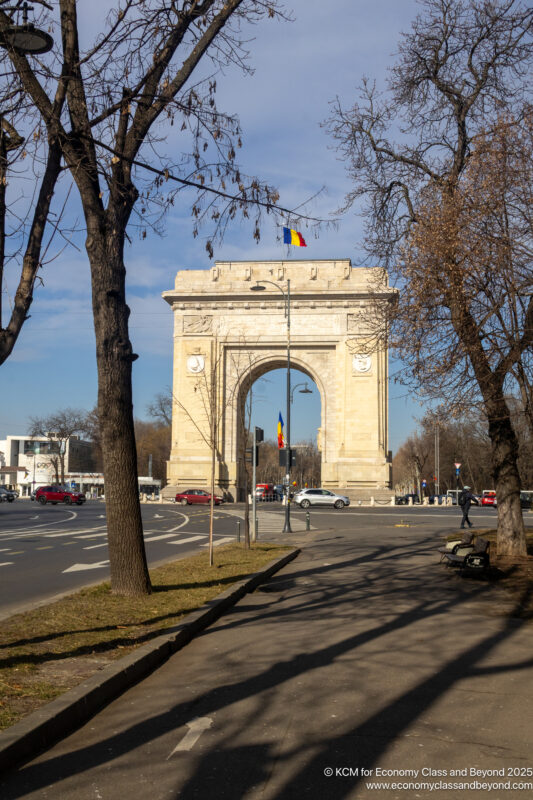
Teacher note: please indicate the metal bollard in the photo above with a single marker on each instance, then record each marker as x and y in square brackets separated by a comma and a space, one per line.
[238, 530]
[307, 521]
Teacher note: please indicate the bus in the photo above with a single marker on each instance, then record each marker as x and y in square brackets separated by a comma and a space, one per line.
[526, 498]
[454, 494]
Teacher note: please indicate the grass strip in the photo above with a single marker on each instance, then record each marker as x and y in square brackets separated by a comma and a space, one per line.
[51, 649]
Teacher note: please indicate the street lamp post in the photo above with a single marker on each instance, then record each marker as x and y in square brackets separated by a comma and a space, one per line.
[259, 287]
[307, 390]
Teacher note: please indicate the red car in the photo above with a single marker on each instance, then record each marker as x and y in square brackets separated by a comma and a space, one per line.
[192, 496]
[55, 495]
[488, 498]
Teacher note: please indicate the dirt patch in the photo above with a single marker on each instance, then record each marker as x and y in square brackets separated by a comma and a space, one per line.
[515, 576]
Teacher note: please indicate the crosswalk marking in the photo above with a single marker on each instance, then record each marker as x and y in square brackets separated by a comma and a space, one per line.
[162, 536]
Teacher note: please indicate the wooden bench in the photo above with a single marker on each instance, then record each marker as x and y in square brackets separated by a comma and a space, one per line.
[460, 546]
[477, 558]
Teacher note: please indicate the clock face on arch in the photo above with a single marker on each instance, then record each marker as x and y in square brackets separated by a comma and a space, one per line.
[195, 364]
[361, 362]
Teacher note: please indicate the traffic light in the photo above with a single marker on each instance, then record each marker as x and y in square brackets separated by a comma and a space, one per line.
[259, 434]
[249, 453]
[283, 457]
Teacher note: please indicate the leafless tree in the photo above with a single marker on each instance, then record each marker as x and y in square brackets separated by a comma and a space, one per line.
[161, 408]
[212, 401]
[446, 202]
[99, 116]
[59, 428]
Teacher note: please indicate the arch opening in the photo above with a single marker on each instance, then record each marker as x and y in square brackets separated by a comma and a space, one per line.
[263, 398]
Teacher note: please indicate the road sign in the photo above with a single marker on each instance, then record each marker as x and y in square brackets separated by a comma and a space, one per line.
[457, 465]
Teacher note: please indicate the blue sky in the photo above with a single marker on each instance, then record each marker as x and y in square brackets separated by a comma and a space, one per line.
[299, 69]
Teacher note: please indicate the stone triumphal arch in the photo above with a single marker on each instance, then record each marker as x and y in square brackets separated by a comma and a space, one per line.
[226, 336]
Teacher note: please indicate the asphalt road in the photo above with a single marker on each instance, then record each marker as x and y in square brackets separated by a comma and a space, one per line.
[46, 551]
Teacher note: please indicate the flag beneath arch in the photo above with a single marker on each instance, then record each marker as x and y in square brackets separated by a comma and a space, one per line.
[281, 440]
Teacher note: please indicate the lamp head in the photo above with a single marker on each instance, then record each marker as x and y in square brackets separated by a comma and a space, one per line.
[257, 288]
[26, 39]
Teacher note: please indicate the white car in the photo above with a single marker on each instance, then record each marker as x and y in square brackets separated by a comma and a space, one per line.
[320, 497]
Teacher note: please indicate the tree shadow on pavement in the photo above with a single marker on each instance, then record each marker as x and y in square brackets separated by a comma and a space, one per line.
[399, 595]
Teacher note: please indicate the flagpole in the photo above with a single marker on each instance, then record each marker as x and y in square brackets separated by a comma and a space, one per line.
[287, 526]
[295, 238]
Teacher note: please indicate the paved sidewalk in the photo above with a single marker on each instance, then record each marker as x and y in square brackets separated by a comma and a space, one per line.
[362, 655]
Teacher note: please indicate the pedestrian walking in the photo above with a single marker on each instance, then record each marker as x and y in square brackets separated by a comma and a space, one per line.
[466, 498]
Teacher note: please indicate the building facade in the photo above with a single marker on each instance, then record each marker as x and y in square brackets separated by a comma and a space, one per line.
[27, 462]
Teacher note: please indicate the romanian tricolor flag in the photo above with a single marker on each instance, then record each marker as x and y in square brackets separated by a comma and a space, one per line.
[281, 441]
[293, 237]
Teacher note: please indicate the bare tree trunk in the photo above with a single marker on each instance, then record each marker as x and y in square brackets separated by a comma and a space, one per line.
[511, 537]
[129, 569]
[511, 531]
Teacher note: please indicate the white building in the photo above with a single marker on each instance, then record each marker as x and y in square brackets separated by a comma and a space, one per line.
[27, 462]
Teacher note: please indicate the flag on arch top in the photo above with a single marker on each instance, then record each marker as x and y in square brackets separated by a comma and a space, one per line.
[291, 236]
[281, 440]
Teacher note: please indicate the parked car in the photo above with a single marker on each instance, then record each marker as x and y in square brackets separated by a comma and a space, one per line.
[192, 496]
[56, 494]
[403, 500]
[7, 496]
[488, 498]
[437, 499]
[12, 491]
[320, 497]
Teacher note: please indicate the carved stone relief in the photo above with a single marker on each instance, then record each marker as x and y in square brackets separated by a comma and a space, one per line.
[197, 323]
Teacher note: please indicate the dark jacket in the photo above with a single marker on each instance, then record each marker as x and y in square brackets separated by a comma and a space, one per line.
[466, 499]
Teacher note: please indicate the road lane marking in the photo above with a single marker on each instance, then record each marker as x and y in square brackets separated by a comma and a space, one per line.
[156, 538]
[74, 532]
[185, 521]
[196, 727]
[73, 514]
[82, 567]
[189, 539]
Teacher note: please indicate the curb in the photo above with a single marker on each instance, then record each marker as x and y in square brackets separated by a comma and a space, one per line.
[44, 727]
